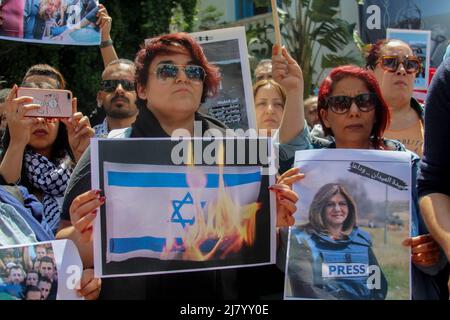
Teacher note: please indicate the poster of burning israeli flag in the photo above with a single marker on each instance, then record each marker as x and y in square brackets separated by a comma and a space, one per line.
[166, 218]
[353, 214]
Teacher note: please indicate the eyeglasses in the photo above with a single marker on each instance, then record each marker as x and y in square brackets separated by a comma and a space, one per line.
[412, 64]
[365, 102]
[170, 71]
[111, 85]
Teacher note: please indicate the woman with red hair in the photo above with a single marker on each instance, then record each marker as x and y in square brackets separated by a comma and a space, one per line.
[352, 110]
[172, 79]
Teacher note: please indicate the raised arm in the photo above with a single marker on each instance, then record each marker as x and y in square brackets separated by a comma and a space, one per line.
[104, 21]
[287, 72]
[19, 130]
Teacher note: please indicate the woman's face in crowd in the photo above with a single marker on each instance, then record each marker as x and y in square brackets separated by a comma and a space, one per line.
[336, 210]
[32, 279]
[269, 107]
[171, 97]
[354, 126]
[399, 84]
[43, 135]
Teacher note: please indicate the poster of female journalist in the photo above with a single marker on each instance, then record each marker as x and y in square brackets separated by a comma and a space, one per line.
[50, 21]
[353, 214]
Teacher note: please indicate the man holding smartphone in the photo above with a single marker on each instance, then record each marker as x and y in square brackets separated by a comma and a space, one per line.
[117, 96]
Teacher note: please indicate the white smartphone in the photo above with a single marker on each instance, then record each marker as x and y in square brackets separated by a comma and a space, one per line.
[54, 103]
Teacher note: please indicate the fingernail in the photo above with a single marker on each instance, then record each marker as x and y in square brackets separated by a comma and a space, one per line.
[102, 199]
[94, 213]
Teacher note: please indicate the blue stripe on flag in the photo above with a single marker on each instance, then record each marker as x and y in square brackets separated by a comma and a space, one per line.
[176, 180]
[125, 245]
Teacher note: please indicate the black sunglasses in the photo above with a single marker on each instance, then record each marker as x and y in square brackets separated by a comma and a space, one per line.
[365, 102]
[412, 64]
[111, 85]
[170, 71]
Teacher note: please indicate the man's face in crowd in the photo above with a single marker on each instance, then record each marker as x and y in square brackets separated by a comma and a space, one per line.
[45, 287]
[46, 269]
[263, 72]
[311, 115]
[40, 252]
[16, 276]
[118, 101]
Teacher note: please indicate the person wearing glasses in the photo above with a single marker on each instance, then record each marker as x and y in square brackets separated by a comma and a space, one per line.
[117, 97]
[172, 79]
[353, 111]
[321, 249]
[395, 67]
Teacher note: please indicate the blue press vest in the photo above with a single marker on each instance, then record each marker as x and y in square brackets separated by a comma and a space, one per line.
[340, 266]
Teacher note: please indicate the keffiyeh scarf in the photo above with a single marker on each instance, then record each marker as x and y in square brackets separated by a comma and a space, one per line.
[52, 179]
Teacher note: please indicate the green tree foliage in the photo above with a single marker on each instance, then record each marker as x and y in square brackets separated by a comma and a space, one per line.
[314, 25]
[133, 21]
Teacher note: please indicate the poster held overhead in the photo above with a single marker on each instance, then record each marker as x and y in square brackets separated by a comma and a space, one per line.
[233, 104]
[69, 22]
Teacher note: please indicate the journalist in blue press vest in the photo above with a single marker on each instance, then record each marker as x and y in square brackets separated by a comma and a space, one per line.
[330, 257]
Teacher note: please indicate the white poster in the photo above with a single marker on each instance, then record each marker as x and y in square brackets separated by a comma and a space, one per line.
[353, 214]
[40, 271]
[227, 49]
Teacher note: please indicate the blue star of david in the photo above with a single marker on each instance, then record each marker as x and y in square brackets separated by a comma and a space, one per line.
[177, 205]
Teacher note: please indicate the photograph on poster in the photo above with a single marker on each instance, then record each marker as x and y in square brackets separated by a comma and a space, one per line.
[233, 104]
[349, 226]
[50, 21]
[420, 42]
[376, 16]
[40, 271]
[164, 218]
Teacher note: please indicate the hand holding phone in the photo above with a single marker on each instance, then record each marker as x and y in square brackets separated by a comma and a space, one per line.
[54, 103]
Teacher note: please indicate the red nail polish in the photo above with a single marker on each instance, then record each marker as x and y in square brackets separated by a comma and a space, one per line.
[102, 199]
[97, 192]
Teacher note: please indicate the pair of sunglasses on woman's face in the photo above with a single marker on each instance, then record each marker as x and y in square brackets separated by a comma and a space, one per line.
[365, 102]
[168, 71]
[111, 85]
[411, 64]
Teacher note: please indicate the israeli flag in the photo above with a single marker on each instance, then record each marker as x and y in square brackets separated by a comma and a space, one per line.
[149, 207]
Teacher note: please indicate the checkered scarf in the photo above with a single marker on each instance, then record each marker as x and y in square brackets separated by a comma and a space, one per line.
[52, 180]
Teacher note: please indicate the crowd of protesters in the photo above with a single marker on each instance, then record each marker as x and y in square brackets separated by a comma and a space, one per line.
[45, 164]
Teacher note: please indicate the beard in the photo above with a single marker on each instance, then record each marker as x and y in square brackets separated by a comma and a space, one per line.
[119, 110]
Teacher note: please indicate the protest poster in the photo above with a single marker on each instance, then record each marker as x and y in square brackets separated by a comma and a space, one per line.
[66, 22]
[420, 43]
[167, 215]
[375, 16]
[353, 214]
[233, 105]
[40, 271]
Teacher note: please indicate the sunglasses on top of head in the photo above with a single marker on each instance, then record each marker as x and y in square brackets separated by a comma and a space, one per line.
[412, 64]
[111, 85]
[365, 102]
[170, 71]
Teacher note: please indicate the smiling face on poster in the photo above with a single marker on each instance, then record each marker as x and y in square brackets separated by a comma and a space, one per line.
[350, 224]
[50, 21]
